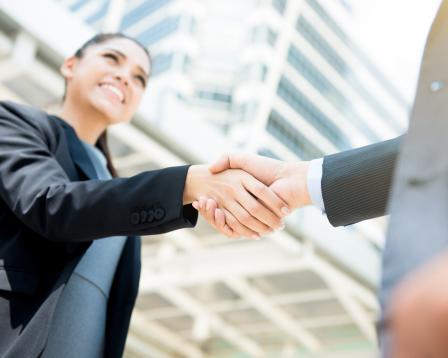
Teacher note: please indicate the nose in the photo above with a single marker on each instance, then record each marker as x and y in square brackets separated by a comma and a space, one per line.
[123, 77]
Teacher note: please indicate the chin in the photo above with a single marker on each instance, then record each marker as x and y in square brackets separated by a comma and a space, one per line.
[109, 110]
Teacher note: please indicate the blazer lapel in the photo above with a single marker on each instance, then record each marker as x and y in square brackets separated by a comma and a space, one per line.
[78, 153]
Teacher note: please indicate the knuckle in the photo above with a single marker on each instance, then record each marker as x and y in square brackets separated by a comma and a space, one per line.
[259, 189]
[254, 208]
[230, 220]
[274, 220]
[246, 218]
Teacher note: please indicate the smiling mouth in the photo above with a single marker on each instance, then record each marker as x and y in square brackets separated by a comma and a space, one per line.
[115, 91]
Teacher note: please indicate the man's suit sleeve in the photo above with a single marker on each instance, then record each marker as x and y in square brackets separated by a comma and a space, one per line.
[37, 190]
[356, 183]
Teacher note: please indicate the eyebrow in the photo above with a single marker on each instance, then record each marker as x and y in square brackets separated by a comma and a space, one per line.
[121, 54]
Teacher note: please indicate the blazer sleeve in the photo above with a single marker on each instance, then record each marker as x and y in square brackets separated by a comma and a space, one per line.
[356, 183]
[36, 188]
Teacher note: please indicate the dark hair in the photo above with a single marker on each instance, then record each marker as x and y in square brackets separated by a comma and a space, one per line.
[102, 143]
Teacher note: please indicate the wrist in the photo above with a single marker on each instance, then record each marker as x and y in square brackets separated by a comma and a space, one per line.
[195, 175]
[297, 172]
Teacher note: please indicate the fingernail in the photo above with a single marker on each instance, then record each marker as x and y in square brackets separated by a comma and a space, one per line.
[285, 211]
[281, 227]
[256, 237]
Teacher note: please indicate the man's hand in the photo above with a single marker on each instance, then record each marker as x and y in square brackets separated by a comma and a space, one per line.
[252, 208]
[287, 179]
[419, 313]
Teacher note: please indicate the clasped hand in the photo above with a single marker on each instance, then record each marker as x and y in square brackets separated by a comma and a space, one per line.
[247, 195]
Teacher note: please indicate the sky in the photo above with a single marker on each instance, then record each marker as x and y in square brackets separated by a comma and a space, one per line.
[394, 33]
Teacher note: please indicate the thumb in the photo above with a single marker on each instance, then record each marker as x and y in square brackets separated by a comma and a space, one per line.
[223, 163]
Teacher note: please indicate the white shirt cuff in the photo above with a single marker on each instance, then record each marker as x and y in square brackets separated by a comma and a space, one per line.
[314, 182]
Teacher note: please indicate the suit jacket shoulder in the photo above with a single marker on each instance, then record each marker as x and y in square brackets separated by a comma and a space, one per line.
[33, 119]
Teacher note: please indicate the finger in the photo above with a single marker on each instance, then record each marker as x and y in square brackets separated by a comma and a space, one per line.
[220, 222]
[271, 200]
[220, 165]
[209, 215]
[195, 204]
[211, 205]
[263, 168]
[258, 210]
[209, 212]
[202, 202]
[246, 221]
[237, 228]
[220, 218]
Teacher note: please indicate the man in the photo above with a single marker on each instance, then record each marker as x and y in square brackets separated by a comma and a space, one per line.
[356, 185]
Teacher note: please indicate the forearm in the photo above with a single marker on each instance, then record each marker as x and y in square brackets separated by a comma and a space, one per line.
[148, 203]
[356, 183]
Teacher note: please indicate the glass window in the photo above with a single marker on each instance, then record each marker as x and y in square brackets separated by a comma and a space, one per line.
[303, 66]
[99, 13]
[161, 63]
[263, 34]
[291, 138]
[159, 31]
[145, 9]
[362, 57]
[336, 61]
[279, 5]
[267, 153]
[214, 96]
[291, 95]
[77, 5]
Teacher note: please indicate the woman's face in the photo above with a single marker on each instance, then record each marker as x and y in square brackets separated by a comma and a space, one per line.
[110, 78]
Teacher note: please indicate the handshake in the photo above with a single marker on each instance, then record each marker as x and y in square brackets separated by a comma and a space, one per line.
[247, 195]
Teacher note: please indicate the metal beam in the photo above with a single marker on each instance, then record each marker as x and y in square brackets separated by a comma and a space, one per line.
[232, 305]
[196, 309]
[352, 307]
[142, 143]
[211, 265]
[318, 322]
[114, 15]
[154, 331]
[128, 161]
[22, 56]
[262, 303]
[142, 349]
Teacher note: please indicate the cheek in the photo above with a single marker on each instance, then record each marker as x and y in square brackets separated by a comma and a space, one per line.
[92, 74]
[136, 99]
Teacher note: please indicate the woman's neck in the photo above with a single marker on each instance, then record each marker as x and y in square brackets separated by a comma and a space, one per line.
[88, 125]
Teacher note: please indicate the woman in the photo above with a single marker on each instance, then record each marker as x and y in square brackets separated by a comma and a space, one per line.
[62, 291]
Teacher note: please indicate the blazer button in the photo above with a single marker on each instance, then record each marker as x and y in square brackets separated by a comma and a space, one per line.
[135, 218]
[159, 213]
[150, 216]
[143, 216]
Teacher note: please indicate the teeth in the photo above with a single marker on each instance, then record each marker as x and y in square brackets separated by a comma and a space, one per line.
[115, 90]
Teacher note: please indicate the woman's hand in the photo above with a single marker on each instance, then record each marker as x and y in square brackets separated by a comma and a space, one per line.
[251, 208]
[208, 208]
[221, 220]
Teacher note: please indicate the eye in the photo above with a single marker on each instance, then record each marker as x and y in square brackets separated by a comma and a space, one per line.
[142, 81]
[112, 56]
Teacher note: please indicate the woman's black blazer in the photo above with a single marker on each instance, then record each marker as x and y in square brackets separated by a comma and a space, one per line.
[51, 208]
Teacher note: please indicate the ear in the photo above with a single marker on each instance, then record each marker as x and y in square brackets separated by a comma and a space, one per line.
[67, 68]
